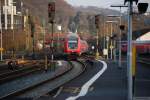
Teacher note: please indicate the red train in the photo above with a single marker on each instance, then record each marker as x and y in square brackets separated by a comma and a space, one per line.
[140, 48]
[74, 45]
[142, 45]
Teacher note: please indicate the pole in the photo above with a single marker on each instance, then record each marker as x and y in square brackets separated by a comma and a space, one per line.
[13, 44]
[97, 53]
[44, 38]
[104, 39]
[12, 27]
[1, 34]
[22, 15]
[5, 10]
[27, 30]
[129, 54]
[120, 41]
[120, 6]
[111, 48]
[1, 45]
[52, 44]
[107, 43]
[33, 46]
[114, 50]
[43, 24]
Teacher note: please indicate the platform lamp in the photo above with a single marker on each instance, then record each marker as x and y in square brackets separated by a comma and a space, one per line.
[120, 33]
[142, 7]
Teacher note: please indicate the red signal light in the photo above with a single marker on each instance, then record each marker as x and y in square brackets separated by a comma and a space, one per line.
[51, 11]
[51, 7]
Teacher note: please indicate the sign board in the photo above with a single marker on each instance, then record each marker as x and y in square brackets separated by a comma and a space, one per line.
[59, 28]
[9, 10]
[105, 51]
[107, 38]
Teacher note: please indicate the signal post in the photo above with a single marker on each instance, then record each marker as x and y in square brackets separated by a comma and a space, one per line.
[142, 7]
[97, 38]
[51, 15]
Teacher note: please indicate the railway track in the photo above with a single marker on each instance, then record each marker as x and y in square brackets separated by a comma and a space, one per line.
[5, 68]
[144, 60]
[13, 74]
[41, 88]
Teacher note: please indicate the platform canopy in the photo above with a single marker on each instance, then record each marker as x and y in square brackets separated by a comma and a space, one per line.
[145, 37]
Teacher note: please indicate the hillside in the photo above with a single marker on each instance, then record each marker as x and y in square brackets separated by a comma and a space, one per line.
[65, 13]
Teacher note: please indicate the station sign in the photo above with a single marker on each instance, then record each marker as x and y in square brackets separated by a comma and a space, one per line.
[105, 51]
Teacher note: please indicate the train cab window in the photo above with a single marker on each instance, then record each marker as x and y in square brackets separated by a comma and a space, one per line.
[73, 43]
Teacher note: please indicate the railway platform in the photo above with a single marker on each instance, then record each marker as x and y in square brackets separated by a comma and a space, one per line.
[111, 85]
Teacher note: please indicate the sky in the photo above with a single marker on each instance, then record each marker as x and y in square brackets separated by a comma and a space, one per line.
[101, 3]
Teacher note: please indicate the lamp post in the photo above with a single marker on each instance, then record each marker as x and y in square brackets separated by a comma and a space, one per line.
[111, 43]
[119, 37]
[120, 6]
[105, 51]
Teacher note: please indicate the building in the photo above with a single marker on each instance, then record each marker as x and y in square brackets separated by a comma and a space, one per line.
[12, 21]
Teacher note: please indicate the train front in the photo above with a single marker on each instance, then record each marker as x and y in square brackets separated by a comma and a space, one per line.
[72, 44]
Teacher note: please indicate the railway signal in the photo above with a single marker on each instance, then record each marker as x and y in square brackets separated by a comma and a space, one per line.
[122, 27]
[51, 15]
[30, 21]
[32, 29]
[51, 11]
[142, 7]
[97, 20]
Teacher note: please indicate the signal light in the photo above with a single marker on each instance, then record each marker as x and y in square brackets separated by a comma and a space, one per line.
[97, 21]
[136, 1]
[32, 30]
[51, 11]
[122, 27]
[142, 7]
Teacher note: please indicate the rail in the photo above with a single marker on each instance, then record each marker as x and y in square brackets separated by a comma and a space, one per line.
[18, 73]
[31, 87]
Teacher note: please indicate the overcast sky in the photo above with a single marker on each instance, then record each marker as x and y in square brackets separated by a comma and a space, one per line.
[100, 3]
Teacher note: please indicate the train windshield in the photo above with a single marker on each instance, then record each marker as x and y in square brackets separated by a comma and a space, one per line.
[73, 43]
